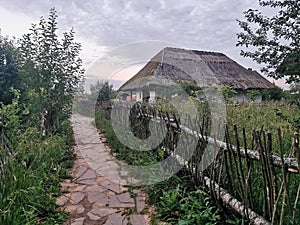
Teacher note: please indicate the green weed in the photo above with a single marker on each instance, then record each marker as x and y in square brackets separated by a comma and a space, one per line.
[29, 179]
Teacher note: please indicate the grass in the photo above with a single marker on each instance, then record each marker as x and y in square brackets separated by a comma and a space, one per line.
[30, 175]
[177, 201]
[270, 116]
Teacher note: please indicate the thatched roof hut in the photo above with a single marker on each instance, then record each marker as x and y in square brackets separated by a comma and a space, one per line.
[204, 69]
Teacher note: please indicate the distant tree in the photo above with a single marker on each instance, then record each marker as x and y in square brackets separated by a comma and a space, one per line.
[295, 94]
[273, 94]
[106, 93]
[9, 76]
[295, 88]
[51, 69]
[274, 40]
[95, 89]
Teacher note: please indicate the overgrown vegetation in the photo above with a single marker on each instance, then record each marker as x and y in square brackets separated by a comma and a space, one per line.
[267, 115]
[178, 200]
[40, 75]
[31, 167]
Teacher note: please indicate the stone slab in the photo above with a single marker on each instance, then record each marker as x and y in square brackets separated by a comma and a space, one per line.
[116, 219]
[98, 213]
[76, 197]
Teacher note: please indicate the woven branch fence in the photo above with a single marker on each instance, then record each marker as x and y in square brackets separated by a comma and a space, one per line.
[251, 177]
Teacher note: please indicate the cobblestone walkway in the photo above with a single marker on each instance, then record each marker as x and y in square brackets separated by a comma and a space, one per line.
[96, 194]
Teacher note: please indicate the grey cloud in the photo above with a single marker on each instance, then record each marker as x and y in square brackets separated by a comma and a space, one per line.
[200, 24]
[116, 22]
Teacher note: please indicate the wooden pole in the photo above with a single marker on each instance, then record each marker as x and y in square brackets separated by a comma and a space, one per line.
[236, 205]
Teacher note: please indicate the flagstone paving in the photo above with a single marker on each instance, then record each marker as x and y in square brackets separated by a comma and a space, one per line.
[97, 194]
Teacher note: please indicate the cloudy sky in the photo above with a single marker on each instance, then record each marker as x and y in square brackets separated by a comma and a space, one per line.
[101, 25]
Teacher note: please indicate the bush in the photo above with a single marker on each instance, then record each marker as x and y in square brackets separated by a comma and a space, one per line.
[31, 168]
[275, 94]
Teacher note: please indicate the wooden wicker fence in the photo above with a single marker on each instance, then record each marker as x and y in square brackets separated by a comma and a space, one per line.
[262, 186]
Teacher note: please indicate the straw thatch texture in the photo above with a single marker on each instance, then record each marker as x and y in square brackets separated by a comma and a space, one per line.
[204, 69]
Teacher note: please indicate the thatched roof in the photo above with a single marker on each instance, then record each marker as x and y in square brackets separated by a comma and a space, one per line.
[201, 68]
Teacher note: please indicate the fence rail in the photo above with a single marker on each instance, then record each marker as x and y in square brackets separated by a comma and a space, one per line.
[258, 184]
[291, 163]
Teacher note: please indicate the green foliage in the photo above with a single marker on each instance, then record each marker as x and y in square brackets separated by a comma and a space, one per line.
[30, 170]
[29, 183]
[190, 88]
[228, 92]
[253, 94]
[290, 65]
[51, 70]
[294, 94]
[182, 206]
[123, 152]
[102, 90]
[104, 93]
[10, 117]
[32, 166]
[292, 98]
[270, 115]
[275, 38]
[272, 94]
[177, 200]
[9, 76]
[295, 88]
[95, 89]
[165, 106]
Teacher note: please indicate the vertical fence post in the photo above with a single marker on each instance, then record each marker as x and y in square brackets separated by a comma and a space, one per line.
[237, 166]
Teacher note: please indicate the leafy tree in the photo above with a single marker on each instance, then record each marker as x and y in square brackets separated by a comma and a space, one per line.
[294, 97]
[51, 68]
[9, 117]
[295, 88]
[95, 89]
[274, 40]
[9, 77]
[275, 93]
[105, 93]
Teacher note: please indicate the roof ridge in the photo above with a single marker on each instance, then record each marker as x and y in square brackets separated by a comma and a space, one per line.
[194, 51]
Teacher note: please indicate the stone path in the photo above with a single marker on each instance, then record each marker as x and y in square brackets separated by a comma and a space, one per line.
[96, 194]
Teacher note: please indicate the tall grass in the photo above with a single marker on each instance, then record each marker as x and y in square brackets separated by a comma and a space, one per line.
[30, 175]
[270, 116]
[177, 200]
[178, 204]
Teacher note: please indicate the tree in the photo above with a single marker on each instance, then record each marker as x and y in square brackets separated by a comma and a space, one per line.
[295, 88]
[51, 69]
[106, 93]
[295, 94]
[275, 93]
[9, 77]
[274, 40]
[95, 89]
